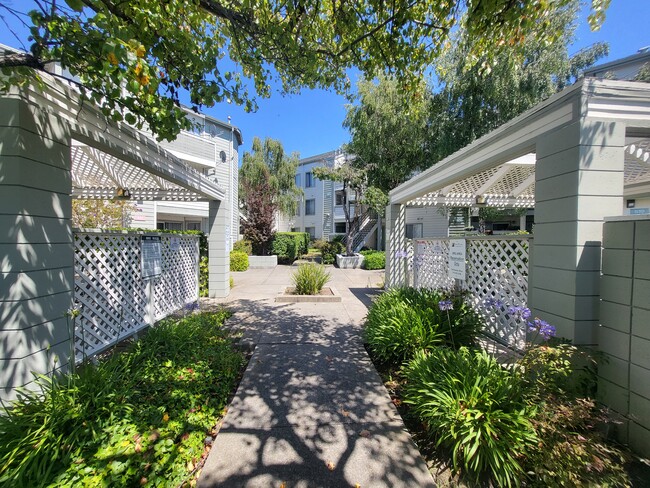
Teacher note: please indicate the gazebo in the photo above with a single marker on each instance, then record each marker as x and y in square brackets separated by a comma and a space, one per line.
[578, 158]
[55, 146]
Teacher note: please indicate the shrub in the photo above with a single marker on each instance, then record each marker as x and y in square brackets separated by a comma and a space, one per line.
[319, 243]
[474, 409]
[366, 251]
[244, 246]
[288, 246]
[329, 251]
[204, 274]
[238, 261]
[375, 260]
[309, 279]
[403, 321]
[572, 450]
[143, 413]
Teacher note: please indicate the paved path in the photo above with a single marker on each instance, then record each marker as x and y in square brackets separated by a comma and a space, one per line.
[311, 410]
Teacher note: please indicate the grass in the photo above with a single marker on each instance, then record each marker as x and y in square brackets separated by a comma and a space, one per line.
[139, 418]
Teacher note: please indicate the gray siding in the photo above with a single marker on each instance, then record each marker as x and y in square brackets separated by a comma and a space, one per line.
[434, 222]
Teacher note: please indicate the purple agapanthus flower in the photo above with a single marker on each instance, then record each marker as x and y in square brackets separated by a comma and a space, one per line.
[445, 305]
[493, 303]
[519, 313]
[401, 254]
[542, 327]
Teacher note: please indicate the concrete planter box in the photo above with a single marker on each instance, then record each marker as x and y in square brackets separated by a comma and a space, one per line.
[328, 295]
[257, 262]
[349, 262]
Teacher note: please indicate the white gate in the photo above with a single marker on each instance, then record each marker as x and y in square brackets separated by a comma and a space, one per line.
[497, 279]
[115, 301]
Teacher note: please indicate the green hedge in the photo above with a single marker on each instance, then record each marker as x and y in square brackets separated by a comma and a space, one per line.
[329, 250]
[288, 246]
[374, 260]
[243, 246]
[238, 261]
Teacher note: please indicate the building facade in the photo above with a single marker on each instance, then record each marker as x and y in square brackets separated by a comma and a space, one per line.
[213, 149]
[321, 212]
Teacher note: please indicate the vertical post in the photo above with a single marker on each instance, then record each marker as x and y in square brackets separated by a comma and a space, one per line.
[219, 257]
[197, 263]
[150, 295]
[396, 272]
[578, 182]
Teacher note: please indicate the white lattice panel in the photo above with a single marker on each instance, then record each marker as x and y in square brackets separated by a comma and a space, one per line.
[111, 293]
[497, 269]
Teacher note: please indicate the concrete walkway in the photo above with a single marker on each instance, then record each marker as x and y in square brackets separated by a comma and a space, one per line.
[311, 410]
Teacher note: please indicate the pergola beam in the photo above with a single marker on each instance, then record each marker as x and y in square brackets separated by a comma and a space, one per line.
[524, 185]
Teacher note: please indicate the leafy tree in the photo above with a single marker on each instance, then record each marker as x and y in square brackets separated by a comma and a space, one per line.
[267, 184]
[474, 101]
[389, 130]
[644, 73]
[102, 214]
[353, 179]
[137, 58]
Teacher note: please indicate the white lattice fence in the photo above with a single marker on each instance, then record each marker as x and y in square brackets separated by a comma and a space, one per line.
[115, 301]
[496, 278]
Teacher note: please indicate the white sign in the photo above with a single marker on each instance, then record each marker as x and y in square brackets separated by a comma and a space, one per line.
[175, 243]
[457, 259]
[421, 247]
[151, 262]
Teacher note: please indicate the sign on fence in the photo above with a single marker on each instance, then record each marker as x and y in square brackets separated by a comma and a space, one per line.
[457, 259]
[151, 257]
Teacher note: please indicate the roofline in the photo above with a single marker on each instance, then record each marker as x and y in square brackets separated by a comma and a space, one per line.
[638, 56]
[315, 158]
[225, 125]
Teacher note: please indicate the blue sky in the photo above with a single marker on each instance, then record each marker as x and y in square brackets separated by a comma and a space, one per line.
[310, 123]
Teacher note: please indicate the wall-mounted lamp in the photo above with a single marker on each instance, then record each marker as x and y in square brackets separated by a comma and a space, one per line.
[481, 201]
[123, 194]
[631, 203]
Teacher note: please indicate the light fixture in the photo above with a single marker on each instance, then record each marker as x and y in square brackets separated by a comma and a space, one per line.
[631, 203]
[481, 201]
[123, 194]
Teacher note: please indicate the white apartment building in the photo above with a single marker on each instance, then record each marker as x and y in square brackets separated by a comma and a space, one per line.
[213, 149]
[321, 214]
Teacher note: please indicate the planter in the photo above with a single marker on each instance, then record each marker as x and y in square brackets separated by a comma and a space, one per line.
[257, 262]
[349, 262]
[327, 295]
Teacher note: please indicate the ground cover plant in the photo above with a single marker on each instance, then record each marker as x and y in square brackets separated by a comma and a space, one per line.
[309, 279]
[139, 418]
[523, 420]
[403, 321]
[329, 250]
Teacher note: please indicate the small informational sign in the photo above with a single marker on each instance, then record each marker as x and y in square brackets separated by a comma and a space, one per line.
[421, 247]
[175, 243]
[151, 257]
[457, 259]
[639, 211]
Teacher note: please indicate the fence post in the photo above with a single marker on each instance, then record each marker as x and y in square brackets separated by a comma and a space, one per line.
[150, 294]
[197, 253]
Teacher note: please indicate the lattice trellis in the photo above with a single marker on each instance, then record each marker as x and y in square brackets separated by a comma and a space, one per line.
[115, 301]
[497, 269]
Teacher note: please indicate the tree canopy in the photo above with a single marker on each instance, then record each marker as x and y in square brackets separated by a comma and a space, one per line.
[137, 59]
[389, 131]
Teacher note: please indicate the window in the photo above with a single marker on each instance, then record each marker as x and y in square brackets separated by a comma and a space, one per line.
[169, 226]
[310, 207]
[413, 231]
[309, 179]
[298, 181]
[192, 225]
[339, 197]
[297, 214]
[339, 228]
[312, 232]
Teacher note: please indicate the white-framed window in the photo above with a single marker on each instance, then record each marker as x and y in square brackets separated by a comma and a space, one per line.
[192, 225]
[311, 231]
[298, 181]
[340, 200]
[339, 227]
[413, 231]
[309, 179]
[310, 207]
[297, 214]
[169, 226]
